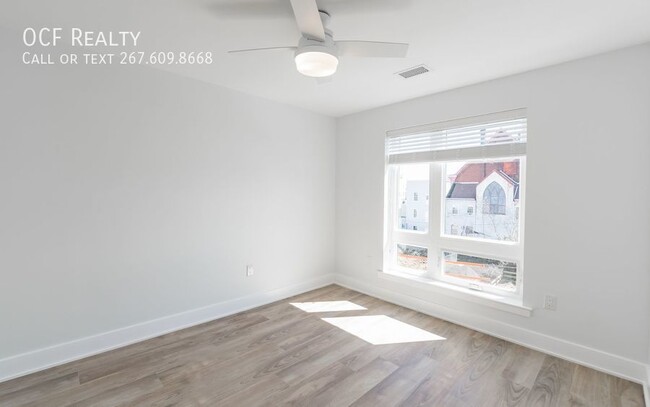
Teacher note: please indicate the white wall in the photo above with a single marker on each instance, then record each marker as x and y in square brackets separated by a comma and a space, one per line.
[129, 194]
[589, 140]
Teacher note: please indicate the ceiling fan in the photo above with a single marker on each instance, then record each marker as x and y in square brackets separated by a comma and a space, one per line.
[317, 53]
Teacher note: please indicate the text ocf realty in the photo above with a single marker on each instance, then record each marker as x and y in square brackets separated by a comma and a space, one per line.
[51, 36]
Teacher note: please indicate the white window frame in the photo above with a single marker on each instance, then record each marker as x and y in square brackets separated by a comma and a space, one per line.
[435, 239]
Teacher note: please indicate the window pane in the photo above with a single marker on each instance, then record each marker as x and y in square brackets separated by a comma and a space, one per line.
[490, 192]
[413, 197]
[412, 257]
[480, 270]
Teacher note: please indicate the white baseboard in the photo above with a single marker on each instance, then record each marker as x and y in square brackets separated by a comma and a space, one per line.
[646, 388]
[40, 359]
[599, 360]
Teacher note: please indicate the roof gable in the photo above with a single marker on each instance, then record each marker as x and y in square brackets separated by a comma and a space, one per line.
[471, 174]
[462, 191]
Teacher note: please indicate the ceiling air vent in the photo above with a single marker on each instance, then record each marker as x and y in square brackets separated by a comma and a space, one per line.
[411, 72]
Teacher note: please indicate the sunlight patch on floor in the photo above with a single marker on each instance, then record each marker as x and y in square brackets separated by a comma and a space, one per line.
[327, 306]
[382, 329]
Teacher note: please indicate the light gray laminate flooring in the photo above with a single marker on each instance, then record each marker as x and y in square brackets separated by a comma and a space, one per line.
[279, 355]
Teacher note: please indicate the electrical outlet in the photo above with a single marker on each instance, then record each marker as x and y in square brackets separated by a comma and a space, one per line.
[550, 302]
[249, 270]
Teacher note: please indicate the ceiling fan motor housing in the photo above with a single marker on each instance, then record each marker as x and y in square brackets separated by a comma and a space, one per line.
[317, 58]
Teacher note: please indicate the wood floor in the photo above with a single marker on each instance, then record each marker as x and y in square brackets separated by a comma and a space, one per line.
[280, 355]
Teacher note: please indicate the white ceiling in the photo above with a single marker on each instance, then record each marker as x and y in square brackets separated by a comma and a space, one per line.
[463, 41]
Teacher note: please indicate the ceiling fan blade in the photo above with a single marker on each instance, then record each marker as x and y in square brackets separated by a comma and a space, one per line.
[261, 49]
[250, 9]
[372, 49]
[308, 19]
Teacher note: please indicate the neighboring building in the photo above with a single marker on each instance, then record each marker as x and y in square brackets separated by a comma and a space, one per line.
[483, 201]
[414, 210]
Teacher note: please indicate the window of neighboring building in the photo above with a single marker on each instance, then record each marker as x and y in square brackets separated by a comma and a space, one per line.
[475, 164]
[494, 199]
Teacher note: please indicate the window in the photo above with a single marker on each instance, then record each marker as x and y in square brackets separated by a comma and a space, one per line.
[480, 183]
[494, 200]
[475, 172]
[412, 181]
[412, 258]
[480, 271]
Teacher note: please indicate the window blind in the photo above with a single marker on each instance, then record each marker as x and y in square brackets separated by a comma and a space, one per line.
[491, 136]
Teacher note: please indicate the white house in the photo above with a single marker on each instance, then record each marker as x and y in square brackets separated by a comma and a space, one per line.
[483, 201]
[414, 210]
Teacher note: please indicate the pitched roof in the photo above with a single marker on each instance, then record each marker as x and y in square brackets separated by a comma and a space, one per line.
[458, 190]
[477, 172]
[471, 174]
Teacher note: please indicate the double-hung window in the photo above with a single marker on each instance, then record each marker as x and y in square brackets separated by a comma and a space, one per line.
[477, 164]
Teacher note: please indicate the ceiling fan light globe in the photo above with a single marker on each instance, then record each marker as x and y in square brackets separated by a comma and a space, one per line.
[316, 64]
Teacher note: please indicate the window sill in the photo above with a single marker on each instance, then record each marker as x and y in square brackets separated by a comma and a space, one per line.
[512, 305]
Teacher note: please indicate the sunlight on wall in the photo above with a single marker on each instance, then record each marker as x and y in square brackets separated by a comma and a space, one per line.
[328, 306]
[382, 330]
